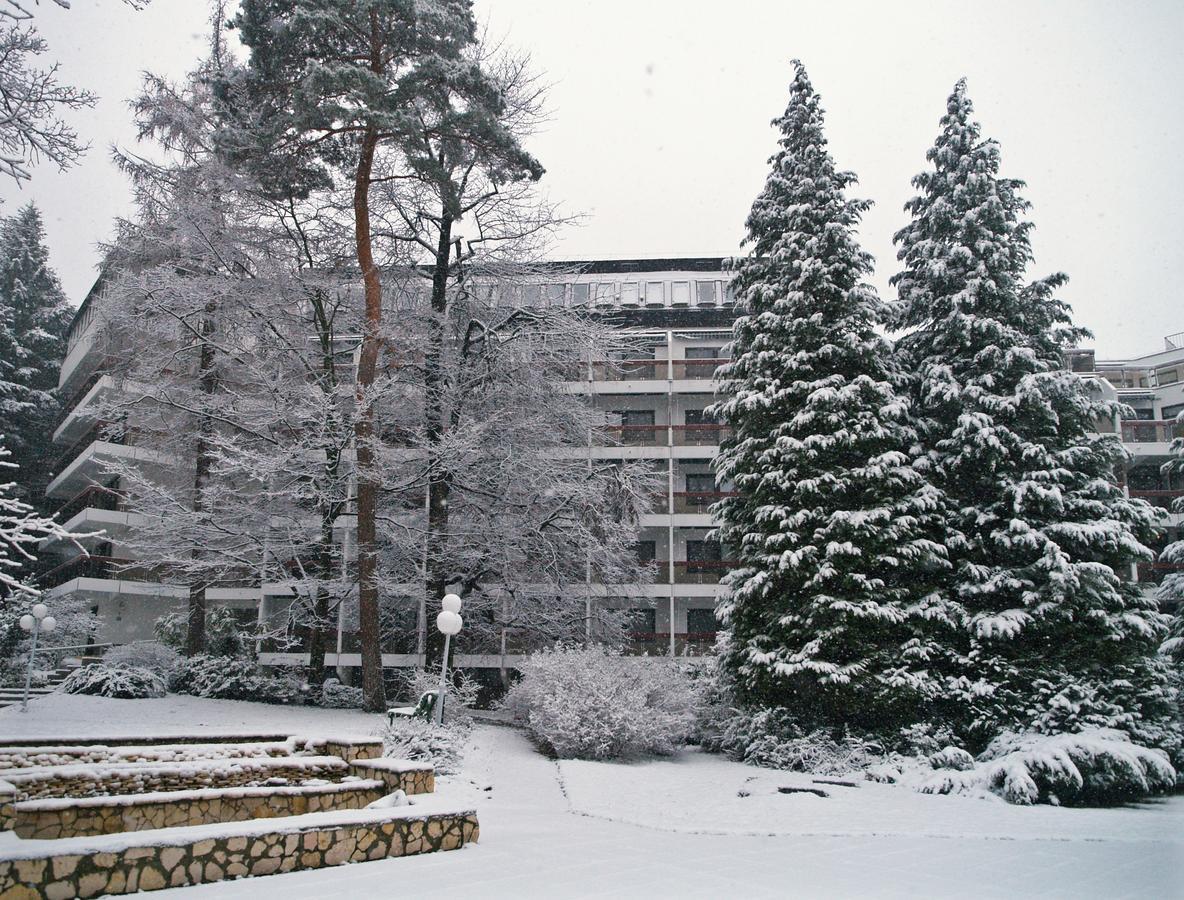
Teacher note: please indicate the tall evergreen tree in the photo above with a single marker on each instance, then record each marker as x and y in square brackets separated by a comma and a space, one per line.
[1039, 531]
[829, 520]
[34, 319]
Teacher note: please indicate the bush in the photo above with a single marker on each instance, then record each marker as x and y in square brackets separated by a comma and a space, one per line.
[224, 633]
[1094, 767]
[225, 678]
[773, 739]
[149, 655]
[590, 703]
[104, 680]
[440, 745]
[335, 695]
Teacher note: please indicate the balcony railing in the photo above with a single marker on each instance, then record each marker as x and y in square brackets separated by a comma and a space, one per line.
[695, 571]
[1155, 573]
[647, 369]
[1151, 431]
[107, 567]
[698, 501]
[637, 435]
[657, 643]
[1162, 499]
[706, 435]
[93, 497]
[71, 453]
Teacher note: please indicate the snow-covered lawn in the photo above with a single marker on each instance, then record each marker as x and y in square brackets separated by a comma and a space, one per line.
[678, 827]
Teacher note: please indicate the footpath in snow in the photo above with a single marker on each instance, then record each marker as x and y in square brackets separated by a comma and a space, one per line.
[665, 828]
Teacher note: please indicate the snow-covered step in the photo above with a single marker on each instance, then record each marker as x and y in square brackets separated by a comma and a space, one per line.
[172, 857]
[67, 817]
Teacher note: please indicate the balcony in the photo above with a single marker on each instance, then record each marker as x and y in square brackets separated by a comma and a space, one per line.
[636, 435]
[94, 497]
[657, 643]
[1155, 573]
[649, 369]
[1151, 431]
[705, 435]
[703, 571]
[107, 568]
[698, 502]
[1162, 499]
[74, 419]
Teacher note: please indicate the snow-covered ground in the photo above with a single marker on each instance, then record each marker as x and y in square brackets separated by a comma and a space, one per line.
[679, 827]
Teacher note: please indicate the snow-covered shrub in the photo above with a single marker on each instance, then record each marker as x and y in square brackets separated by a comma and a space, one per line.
[771, 738]
[229, 678]
[104, 680]
[1094, 767]
[590, 703]
[440, 745]
[224, 633]
[952, 758]
[155, 657]
[336, 695]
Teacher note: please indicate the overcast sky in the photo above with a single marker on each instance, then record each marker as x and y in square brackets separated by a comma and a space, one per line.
[660, 124]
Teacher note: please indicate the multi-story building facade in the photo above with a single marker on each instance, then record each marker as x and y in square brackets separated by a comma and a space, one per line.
[679, 314]
[1152, 386]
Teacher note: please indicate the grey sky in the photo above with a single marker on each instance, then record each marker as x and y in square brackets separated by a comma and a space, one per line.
[660, 128]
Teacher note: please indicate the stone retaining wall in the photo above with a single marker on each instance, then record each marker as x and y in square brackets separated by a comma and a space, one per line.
[80, 754]
[142, 778]
[150, 866]
[52, 819]
[146, 740]
[349, 750]
[397, 774]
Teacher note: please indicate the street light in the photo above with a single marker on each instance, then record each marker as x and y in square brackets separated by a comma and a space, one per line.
[449, 622]
[37, 621]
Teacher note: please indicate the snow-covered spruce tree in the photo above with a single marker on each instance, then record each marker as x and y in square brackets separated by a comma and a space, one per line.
[1039, 532]
[34, 319]
[1171, 590]
[825, 612]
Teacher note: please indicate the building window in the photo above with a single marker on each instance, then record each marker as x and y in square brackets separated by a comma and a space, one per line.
[647, 551]
[553, 294]
[701, 621]
[630, 293]
[705, 293]
[636, 425]
[643, 623]
[579, 294]
[701, 555]
[606, 293]
[698, 417]
[655, 293]
[680, 293]
[1169, 376]
[701, 482]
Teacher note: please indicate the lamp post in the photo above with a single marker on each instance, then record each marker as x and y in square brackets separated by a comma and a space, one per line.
[36, 622]
[449, 622]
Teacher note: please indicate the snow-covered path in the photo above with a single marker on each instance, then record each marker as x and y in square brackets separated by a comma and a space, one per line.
[534, 845]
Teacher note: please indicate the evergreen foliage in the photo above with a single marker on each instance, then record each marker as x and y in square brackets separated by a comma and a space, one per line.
[830, 519]
[1038, 531]
[34, 319]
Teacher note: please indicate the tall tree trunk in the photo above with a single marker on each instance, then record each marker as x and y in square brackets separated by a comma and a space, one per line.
[373, 692]
[318, 635]
[439, 483]
[195, 632]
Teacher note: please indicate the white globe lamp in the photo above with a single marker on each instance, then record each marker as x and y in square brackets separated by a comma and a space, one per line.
[450, 603]
[449, 623]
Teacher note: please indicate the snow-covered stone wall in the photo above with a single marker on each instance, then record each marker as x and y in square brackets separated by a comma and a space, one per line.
[124, 864]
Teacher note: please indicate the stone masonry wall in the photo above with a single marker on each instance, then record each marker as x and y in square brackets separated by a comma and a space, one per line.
[93, 781]
[148, 868]
[397, 775]
[49, 820]
[29, 757]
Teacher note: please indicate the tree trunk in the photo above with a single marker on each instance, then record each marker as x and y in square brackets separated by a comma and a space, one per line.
[318, 635]
[195, 633]
[373, 692]
[439, 484]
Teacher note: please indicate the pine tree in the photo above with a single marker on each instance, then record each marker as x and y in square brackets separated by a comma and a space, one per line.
[1039, 531]
[34, 319]
[829, 520]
